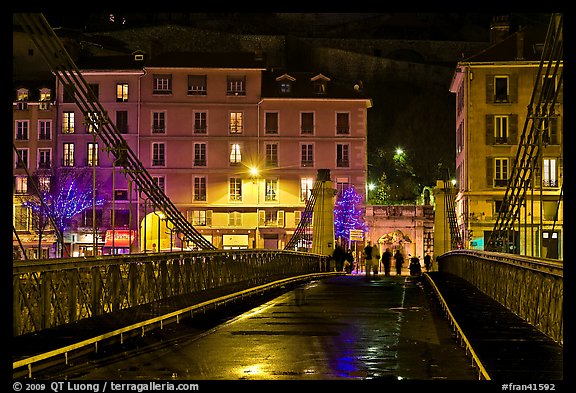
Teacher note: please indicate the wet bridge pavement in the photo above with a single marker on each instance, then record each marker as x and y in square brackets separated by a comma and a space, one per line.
[346, 327]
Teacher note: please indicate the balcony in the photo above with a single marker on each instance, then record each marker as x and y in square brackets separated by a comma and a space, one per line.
[342, 163]
[307, 163]
[45, 165]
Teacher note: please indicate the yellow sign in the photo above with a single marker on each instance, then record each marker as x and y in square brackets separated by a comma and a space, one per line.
[356, 235]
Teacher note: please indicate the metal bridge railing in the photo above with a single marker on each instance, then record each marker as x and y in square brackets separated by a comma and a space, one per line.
[49, 293]
[532, 288]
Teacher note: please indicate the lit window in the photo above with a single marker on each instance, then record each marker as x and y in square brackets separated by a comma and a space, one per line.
[306, 185]
[68, 154]
[271, 186]
[68, 122]
[549, 174]
[92, 154]
[306, 155]
[236, 123]
[21, 184]
[121, 92]
[235, 155]
[500, 172]
[272, 154]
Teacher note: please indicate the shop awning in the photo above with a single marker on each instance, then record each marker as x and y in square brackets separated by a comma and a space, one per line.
[122, 237]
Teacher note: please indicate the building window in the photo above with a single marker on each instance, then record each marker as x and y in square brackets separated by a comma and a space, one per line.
[200, 122]
[93, 122]
[501, 129]
[307, 123]
[121, 92]
[306, 155]
[342, 184]
[44, 183]
[44, 158]
[271, 119]
[44, 130]
[22, 130]
[235, 189]
[95, 89]
[158, 122]
[68, 122]
[92, 154]
[236, 86]
[272, 154]
[20, 185]
[158, 154]
[68, 154]
[500, 172]
[234, 219]
[122, 121]
[235, 154]
[236, 123]
[197, 217]
[21, 217]
[162, 84]
[160, 181]
[549, 173]
[200, 154]
[342, 123]
[342, 155]
[197, 85]
[271, 190]
[199, 188]
[21, 158]
[550, 131]
[306, 186]
[285, 87]
[22, 95]
[501, 89]
[320, 87]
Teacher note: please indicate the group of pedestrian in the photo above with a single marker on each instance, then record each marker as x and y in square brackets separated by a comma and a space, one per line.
[372, 257]
[344, 260]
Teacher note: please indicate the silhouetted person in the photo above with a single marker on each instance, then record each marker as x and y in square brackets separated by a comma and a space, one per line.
[339, 256]
[368, 257]
[428, 262]
[387, 261]
[399, 262]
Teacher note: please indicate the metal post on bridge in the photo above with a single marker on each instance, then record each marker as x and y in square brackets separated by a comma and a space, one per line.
[323, 218]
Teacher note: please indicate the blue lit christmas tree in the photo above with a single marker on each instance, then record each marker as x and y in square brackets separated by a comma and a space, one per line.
[348, 214]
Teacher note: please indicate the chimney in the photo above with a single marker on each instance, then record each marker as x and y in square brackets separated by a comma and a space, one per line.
[499, 28]
[520, 45]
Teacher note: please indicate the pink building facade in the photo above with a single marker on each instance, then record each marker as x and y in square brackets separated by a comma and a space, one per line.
[236, 147]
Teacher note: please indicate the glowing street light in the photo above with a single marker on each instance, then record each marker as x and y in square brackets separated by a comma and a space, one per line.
[371, 186]
[399, 151]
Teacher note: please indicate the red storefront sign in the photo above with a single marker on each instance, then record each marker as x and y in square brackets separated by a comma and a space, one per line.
[122, 237]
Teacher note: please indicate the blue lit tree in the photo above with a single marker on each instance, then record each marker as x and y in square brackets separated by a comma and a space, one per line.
[62, 197]
[348, 214]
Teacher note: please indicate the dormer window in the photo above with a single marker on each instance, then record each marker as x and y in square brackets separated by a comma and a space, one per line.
[320, 83]
[45, 94]
[22, 95]
[285, 83]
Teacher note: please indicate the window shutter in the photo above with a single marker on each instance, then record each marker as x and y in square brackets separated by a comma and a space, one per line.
[297, 217]
[489, 89]
[513, 129]
[489, 130]
[280, 218]
[261, 218]
[513, 88]
[537, 172]
[209, 217]
[554, 132]
[489, 172]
